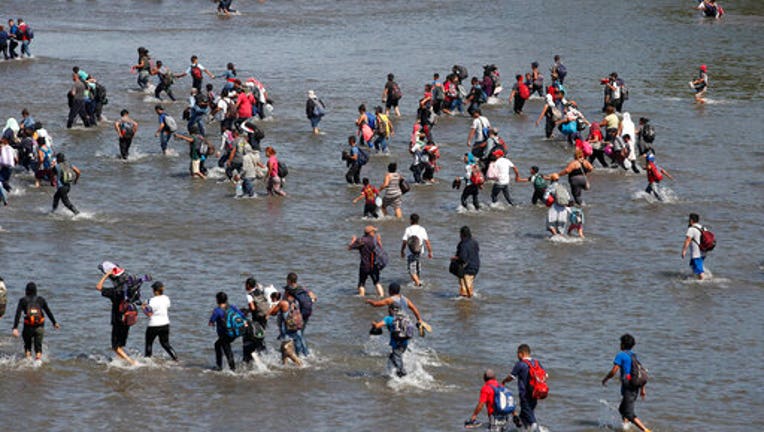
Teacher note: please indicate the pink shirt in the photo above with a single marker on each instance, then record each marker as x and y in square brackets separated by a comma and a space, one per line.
[273, 166]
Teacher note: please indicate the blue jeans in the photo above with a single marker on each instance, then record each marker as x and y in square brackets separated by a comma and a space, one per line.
[197, 118]
[25, 48]
[164, 139]
[527, 408]
[380, 143]
[396, 359]
[248, 185]
[456, 104]
[301, 347]
[314, 121]
[299, 343]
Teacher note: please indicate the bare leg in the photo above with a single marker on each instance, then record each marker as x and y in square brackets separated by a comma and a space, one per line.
[121, 353]
[361, 291]
[380, 290]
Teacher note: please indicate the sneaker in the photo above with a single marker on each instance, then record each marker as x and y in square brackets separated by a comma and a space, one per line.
[472, 424]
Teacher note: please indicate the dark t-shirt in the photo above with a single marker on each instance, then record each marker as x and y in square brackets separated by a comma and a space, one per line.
[469, 252]
[389, 86]
[521, 372]
[365, 245]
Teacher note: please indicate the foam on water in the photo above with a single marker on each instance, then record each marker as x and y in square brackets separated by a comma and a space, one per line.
[415, 359]
[566, 239]
[667, 196]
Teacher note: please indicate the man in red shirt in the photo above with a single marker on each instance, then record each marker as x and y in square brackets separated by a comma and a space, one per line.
[485, 400]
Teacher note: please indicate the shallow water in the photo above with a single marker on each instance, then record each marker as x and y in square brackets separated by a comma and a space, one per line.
[570, 300]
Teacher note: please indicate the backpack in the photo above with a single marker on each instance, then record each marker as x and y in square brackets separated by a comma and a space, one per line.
[167, 78]
[257, 133]
[537, 380]
[202, 147]
[624, 90]
[261, 305]
[100, 94]
[380, 256]
[477, 178]
[404, 186]
[576, 216]
[437, 93]
[414, 244]
[523, 91]
[707, 239]
[131, 294]
[383, 125]
[67, 173]
[33, 315]
[306, 303]
[638, 373]
[293, 320]
[371, 120]
[318, 108]
[127, 129]
[562, 71]
[402, 328]
[363, 157]
[396, 90]
[492, 173]
[234, 323]
[503, 401]
[282, 170]
[460, 71]
[561, 195]
[196, 72]
[170, 123]
[648, 133]
[202, 100]
[539, 183]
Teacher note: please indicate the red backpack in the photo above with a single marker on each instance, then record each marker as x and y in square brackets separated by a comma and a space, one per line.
[523, 90]
[537, 379]
[196, 72]
[477, 177]
[707, 239]
[654, 173]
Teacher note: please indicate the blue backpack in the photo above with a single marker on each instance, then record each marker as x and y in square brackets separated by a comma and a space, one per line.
[234, 323]
[371, 120]
[363, 157]
[562, 71]
[503, 401]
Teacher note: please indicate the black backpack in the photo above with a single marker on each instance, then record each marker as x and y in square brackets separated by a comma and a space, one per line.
[638, 373]
[648, 133]
[306, 303]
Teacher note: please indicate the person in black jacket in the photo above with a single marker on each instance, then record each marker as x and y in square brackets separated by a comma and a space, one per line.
[468, 256]
[35, 310]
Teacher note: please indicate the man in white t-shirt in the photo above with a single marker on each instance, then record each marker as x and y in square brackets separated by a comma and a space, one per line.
[415, 238]
[501, 185]
[692, 241]
[478, 131]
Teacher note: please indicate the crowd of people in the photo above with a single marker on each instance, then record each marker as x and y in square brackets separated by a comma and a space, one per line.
[614, 142]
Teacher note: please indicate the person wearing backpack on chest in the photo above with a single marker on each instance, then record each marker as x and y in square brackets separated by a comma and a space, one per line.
[126, 129]
[531, 385]
[398, 323]
[476, 97]
[633, 381]
[289, 316]
[369, 247]
[35, 309]
[699, 240]
[124, 295]
[66, 175]
[498, 402]
[473, 179]
[305, 299]
[355, 158]
[230, 323]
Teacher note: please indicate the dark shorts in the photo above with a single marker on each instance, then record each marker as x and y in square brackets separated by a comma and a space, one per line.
[119, 335]
[33, 336]
[629, 398]
[364, 274]
[391, 103]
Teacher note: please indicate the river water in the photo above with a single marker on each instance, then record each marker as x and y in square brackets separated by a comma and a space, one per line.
[569, 300]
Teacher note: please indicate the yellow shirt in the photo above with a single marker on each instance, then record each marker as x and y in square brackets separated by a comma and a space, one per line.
[612, 121]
